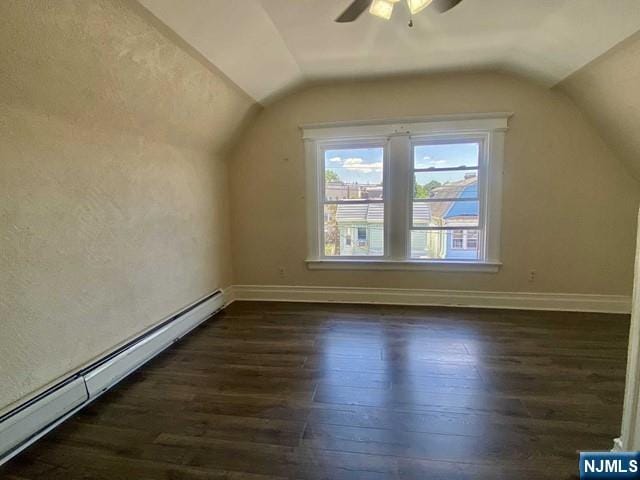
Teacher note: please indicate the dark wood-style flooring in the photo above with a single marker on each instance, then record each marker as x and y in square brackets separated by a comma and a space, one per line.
[310, 391]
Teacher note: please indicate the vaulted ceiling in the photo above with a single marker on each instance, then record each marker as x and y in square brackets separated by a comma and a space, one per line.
[608, 91]
[268, 46]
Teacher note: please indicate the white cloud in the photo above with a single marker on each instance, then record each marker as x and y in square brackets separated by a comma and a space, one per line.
[335, 159]
[357, 165]
[439, 163]
[353, 161]
[435, 163]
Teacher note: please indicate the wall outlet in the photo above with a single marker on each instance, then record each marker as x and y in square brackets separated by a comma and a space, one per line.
[532, 276]
[281, 272]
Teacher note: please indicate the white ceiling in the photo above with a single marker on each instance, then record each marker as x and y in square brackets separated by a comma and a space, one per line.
[267, 46]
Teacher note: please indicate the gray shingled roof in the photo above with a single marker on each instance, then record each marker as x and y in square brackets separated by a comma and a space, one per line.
[421, 214]
[374, 213]
[360, 213]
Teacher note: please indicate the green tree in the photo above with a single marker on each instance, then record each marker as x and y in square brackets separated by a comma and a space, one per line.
[431, 186]
[419, 191]
[424, 191]
[331, 176]
[332, 239]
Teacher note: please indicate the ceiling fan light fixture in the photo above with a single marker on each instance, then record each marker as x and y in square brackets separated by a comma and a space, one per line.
[416, 6]
[382, 8]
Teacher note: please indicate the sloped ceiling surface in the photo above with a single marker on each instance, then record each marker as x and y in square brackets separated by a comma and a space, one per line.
[608, 91]
[267, 46]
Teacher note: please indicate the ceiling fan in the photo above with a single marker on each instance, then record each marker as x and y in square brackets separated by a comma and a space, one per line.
[384, 8]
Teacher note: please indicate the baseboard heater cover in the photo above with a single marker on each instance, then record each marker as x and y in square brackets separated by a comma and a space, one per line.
[41, 414]
[25, 424]
[107, 374]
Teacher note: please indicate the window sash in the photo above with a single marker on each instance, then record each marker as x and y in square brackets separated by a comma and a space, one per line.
[442, 169]
[351, 145]
[453, 199]
[482, 140]
[421, 229]
[351, 202]
[321, 149]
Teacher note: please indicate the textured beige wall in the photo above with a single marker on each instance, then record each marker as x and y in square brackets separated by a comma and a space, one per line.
[113, 188]
[608, 90]
[569, 204]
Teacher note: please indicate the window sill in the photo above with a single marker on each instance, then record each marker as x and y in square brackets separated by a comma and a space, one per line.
[366, 264]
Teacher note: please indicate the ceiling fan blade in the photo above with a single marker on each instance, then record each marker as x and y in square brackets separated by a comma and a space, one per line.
[444, 5]
[353, 11]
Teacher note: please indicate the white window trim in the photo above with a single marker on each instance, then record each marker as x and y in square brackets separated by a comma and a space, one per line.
[491, 127]
[319, 178]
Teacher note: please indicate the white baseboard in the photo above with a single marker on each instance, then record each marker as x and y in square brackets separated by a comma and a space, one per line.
[569, 302]
[27, 423]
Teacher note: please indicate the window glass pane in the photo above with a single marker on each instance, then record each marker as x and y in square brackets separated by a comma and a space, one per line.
[424, 215]
[354, 230]
[457, 239]
[446, 155]
[445, 244]
[446, 214]
[454, 184]
[471, 239]
[353, 173]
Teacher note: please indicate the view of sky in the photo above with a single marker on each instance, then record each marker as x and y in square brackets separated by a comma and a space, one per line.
[364, 165]
[442, 177]
[361, 165]
[445, 156]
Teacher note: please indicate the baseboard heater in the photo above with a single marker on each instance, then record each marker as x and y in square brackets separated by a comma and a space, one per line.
[25, 424]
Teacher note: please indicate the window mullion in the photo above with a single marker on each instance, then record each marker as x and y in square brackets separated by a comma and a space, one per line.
[313, 170]
[493, 167]
[398, 199]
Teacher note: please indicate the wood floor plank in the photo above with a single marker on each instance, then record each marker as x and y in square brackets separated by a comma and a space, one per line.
[226, 427]
[420, 400]
[271, 391]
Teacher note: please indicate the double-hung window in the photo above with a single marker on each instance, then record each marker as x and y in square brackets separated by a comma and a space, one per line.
[352, 191]
[446, 198]
[414, 194]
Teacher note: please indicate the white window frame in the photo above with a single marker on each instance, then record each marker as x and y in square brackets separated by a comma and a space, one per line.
[399, 136]
[320, 148]
[480, 138]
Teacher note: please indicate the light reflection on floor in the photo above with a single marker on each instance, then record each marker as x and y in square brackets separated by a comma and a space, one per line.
[424, 368]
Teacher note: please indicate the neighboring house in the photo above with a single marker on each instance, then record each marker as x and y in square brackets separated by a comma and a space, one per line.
[341, 191]
[361, 229]
[463, 244]
[360, 226]
[449, 244]
[421, 243]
